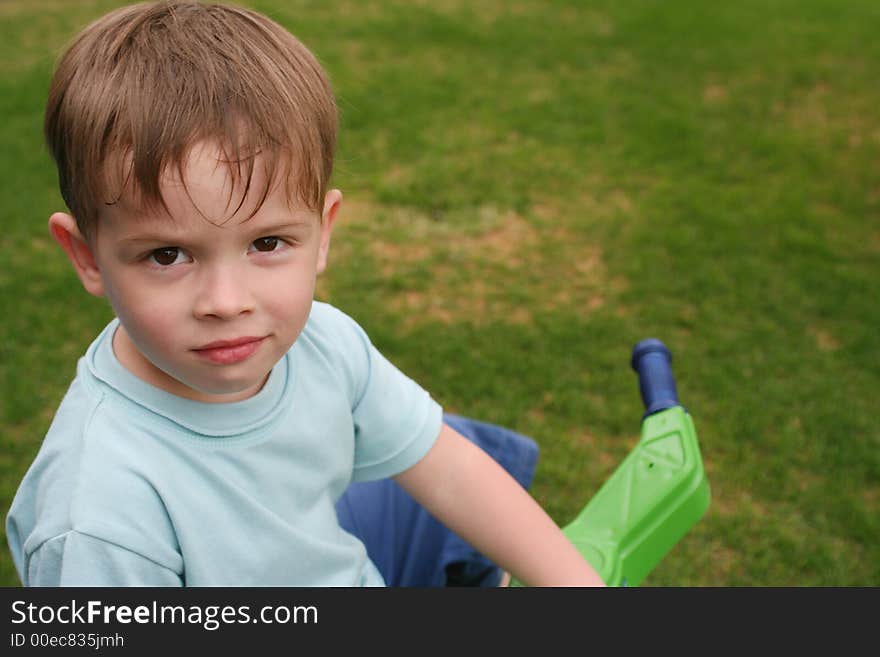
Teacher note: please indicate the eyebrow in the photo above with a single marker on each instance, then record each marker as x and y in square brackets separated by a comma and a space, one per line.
[169, 238]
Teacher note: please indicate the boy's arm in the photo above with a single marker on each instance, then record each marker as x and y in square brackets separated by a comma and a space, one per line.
[475, 497]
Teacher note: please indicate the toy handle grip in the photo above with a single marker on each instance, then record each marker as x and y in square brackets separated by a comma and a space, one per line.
[653, 363]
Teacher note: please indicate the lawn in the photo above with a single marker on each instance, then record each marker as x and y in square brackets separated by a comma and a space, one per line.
[531, 188]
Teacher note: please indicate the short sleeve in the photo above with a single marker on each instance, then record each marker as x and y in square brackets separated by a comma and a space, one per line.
[396, 421]
[76, 559]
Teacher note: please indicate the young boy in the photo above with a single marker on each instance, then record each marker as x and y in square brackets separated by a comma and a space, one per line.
[214, 426]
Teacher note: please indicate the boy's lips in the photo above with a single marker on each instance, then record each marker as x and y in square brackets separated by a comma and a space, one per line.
[227, 352]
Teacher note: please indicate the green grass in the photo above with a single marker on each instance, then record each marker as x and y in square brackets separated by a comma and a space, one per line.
[531, 188]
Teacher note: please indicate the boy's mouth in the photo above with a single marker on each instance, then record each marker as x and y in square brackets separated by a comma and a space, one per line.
[227, 352]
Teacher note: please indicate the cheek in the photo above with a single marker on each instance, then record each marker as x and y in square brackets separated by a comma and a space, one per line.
[149, 327]
[290, 298]
[153, 335]
[293, 304]
[148, 318]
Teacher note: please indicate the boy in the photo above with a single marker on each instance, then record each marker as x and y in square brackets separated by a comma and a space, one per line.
[214, 425]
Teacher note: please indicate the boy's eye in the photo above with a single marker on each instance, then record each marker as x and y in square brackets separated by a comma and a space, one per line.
[266, 244]
[166, 256]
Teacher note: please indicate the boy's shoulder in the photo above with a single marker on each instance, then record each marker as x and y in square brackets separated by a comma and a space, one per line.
[329, 320]
[339, 341]
[336, 335]
[81, 473]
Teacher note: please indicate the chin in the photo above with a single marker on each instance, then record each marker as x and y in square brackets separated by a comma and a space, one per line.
[226, 391]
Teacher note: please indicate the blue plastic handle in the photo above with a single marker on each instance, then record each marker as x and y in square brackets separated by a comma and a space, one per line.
[653, 363]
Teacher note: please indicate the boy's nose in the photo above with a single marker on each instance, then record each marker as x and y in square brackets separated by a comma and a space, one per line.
[224, 293]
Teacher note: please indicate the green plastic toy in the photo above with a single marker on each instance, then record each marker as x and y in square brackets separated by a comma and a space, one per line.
[657, 493]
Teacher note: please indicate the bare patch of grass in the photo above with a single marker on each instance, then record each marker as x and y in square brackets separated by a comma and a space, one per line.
[825, 341]
[481, 267]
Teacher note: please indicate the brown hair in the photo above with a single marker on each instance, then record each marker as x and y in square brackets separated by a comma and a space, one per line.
[138, 87]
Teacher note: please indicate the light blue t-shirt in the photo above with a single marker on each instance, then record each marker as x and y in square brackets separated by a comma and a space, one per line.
[135, 486]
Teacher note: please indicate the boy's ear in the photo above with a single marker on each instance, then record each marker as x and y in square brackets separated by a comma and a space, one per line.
[332, 201]
[65, 231]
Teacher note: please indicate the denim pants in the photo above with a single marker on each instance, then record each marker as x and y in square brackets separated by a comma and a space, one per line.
[406, 543]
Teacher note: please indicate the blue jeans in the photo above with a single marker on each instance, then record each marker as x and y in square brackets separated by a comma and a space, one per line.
[409, 546]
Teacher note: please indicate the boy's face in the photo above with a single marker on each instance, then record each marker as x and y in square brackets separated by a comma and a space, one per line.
[209, 304]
